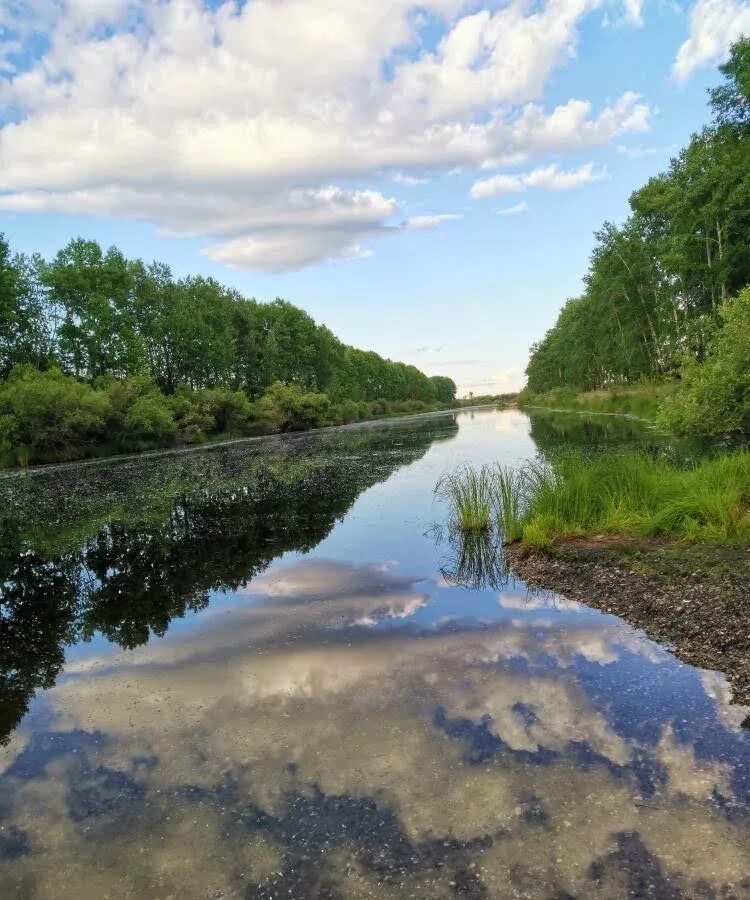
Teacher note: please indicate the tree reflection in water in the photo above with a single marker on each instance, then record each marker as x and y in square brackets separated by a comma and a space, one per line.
[212, 527]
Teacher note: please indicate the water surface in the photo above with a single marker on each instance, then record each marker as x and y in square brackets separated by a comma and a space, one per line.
[266, 671]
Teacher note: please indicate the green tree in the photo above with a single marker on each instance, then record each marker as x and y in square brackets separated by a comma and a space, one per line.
[94, 289]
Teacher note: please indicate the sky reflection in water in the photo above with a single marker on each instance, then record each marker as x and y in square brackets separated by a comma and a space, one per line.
[351, 724]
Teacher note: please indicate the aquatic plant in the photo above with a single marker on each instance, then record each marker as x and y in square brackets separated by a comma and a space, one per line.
[469, 495]
[509, 487]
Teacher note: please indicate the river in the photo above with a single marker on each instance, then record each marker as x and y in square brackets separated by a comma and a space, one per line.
[270, 670]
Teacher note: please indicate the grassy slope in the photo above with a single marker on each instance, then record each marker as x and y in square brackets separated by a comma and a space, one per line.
[642, 401]
[634, 494]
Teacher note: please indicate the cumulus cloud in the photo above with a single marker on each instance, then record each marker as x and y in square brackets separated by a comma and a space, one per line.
[547, 178]
[714, 26]
[243, 125]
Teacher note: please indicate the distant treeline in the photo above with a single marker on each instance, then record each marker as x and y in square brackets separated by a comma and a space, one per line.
[659, 286]
[99, 353]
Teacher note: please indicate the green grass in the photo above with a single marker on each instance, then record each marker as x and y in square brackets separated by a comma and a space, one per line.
[468, 493]
[508, 488]
[621, 494]
[642, 401]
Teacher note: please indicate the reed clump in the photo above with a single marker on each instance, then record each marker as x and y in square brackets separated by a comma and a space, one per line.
[468, 492]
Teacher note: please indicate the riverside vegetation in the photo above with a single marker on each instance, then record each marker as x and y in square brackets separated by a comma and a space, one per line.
[100, 354]
[666, 295]
[624, 493]
[662, 333]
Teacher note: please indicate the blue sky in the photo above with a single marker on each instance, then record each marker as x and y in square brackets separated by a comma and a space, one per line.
[425, 180]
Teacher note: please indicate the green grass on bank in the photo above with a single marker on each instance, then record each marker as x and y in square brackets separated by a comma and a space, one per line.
[642, 401]
[625, 493]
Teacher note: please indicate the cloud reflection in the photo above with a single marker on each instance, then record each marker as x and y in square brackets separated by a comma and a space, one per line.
[280, 752]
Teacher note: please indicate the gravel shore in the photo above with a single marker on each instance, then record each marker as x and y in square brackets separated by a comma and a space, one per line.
[693, 599]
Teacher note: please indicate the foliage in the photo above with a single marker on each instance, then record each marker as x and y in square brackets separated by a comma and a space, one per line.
[286, 407]
[656, 282]
[714, 397]
[163, 360]
[47, 415]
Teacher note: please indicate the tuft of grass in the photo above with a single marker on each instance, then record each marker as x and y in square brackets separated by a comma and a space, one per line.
[468, 492]
[508, 489]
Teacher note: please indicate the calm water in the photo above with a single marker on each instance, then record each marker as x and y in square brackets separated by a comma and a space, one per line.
[266, 671]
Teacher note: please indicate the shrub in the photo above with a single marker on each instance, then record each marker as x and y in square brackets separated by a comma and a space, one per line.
[232, 411]
[139, 415]
[714, 397]
[192, 415]
[48, 416]
[287, 407]
[345, 412]
[149, 420]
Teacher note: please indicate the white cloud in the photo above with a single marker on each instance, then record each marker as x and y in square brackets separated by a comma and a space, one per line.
[423, 223]
[409, 180]
[714, 26]
[513, 210]
[633, 10]
[637, 152]
[547, 178]
[258, 126]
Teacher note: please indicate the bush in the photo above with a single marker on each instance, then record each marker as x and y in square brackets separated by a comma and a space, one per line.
[139, 415]
[287, 407]
[232, 411]
[193, 416]
[345, 412]
[150, 421]
[714, 397]
[48, 416]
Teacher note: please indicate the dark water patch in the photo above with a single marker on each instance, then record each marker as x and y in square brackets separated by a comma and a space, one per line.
[46, 747]
[14, 843]
[103, 799]
[644, 874]
[314, 826]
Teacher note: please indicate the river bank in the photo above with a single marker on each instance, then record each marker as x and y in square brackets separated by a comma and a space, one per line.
[640, 401]
[694, 599]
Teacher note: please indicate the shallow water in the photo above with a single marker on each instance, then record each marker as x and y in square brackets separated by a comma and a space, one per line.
[267, 671]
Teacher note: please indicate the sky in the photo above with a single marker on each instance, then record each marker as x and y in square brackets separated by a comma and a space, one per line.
[423, 178]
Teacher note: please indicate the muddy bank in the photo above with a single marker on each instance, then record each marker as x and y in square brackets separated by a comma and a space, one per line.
[695, 600]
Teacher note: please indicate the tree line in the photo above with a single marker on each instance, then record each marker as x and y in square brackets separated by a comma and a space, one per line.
[100, 352]
[659, 286]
